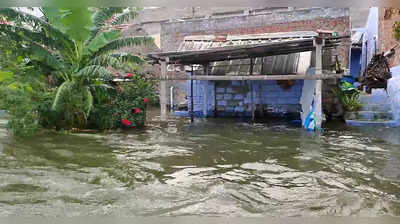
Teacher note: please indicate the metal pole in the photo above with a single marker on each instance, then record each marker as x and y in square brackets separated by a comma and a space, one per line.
[191, 97]
[252, 100]
[163, 90]
[366, 58]
[319, 43]
[260, 101]
[171, 94]
[205, 96]
[252, 90]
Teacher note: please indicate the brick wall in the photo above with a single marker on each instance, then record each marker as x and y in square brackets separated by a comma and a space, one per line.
[387, 18]
[336, 19]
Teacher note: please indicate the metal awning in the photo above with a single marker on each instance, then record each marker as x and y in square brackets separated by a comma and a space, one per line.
[244, 51]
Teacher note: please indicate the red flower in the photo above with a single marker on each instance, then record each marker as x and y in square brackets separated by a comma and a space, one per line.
[138, 111]
[130, 75]
[126, 122]
[121, 89]
[146, 100]
[3, 21]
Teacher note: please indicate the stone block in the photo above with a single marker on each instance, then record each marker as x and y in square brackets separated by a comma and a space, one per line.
[220, 96]
[228, 96]
[238, 97]
[222, 103]
[220, 90]
[229, 90]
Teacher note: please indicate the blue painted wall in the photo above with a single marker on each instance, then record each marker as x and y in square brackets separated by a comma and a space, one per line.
[203, 97]
[355, 61]
[233, 98]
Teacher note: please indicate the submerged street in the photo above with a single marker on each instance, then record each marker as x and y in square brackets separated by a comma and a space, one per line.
[214, 167]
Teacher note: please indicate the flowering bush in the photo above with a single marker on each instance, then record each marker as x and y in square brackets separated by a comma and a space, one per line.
[125, 104]
[56, 70]
[126, 122]
[130, 75]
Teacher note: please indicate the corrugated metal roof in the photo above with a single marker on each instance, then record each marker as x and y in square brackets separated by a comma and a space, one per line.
[271, 65]
[203, 42]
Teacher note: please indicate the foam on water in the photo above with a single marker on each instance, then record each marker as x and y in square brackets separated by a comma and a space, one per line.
[215, 167]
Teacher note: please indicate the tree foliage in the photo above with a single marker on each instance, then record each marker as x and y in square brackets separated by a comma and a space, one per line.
[75, 50]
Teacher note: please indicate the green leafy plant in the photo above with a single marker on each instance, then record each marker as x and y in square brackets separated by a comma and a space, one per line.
[396, 30]
[77, 47]
[24, 95]
[348, 96]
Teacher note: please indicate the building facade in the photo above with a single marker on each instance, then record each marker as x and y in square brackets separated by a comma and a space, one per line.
[232, 98]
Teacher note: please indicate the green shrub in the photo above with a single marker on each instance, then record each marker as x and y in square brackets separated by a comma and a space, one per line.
[76, 46]
[124, 101]
[25, 107]
[57, 71]
[348, 96]
[23, 92]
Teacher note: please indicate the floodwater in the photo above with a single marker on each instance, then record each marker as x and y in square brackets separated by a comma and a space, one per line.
[214, 167]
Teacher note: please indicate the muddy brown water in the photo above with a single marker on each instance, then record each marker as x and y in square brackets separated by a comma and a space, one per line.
[214, 167]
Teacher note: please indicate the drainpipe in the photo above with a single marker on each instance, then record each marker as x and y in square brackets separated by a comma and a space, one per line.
[366, 58]
[191, 97]
[171, 91]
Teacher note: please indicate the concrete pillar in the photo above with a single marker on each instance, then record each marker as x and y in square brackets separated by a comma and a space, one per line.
[191, 96]
[252, 90]
[318, 43]
[205, 97]
[163, 91]
[205, 91]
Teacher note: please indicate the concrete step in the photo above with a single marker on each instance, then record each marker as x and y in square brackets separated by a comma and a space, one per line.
[376, 111]
[384, 107]
[360, 123]
[374, 99]
[369, 115]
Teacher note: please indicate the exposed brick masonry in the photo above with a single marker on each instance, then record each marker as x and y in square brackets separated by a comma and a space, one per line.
[386, 33]
[303, 20]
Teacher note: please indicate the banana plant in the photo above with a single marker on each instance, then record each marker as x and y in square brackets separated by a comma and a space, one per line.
[79, 46]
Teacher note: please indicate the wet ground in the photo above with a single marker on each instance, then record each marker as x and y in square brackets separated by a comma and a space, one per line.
[215, 167]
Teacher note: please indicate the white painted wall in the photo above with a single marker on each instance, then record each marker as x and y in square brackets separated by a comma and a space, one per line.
[307, 96]
[370, 36]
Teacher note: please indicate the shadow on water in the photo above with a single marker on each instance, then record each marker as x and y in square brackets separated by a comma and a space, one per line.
[215, 167]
